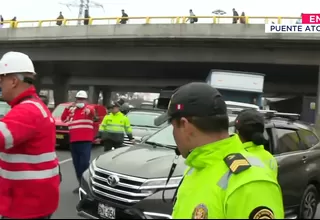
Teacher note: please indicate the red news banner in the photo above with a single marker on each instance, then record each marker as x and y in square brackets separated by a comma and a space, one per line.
[308, 24]
[310, 18]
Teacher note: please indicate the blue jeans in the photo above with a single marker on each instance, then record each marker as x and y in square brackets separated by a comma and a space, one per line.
[81, 153]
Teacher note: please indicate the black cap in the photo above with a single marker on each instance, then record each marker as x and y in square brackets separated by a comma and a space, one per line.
[249, 117]
[194, 99]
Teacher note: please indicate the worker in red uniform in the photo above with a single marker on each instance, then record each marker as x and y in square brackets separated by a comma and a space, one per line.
[80, 116]
[29, 168]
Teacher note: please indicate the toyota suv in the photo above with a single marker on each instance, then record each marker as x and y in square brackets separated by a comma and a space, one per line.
[129, 182]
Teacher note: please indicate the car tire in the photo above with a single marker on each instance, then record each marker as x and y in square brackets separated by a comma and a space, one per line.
[309, 203]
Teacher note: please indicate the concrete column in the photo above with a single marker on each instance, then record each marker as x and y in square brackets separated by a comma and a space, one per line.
[60, 88]
[106, 94]
[93, 94]
[37, 83]
[318, 103]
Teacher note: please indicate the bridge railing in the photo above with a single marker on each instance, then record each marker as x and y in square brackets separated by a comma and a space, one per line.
[152, 20]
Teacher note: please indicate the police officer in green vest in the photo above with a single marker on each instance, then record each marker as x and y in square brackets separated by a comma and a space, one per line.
[113, 128]
[249, 125]
[223, 181]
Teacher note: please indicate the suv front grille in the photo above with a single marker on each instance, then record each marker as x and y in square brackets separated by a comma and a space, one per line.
[126, 192]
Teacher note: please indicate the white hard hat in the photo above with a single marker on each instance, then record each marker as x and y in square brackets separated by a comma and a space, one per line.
[82, 94]
[16, 62]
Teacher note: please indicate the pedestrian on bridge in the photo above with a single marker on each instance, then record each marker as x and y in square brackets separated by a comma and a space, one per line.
[80, 117]
[29, 169]
[124, 16]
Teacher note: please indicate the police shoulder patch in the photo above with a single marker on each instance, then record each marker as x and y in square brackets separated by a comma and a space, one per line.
[200, 212]
[237, 163]
[261, 212]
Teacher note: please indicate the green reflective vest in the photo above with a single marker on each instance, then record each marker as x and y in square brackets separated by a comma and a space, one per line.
[114, 126]
[224, 181]
[264, 155]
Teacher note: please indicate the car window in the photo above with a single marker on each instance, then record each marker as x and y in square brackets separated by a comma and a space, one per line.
[142, 118]
[165, 136]
[308, 138]
[287, 141]
[57, 112]
[4, 108]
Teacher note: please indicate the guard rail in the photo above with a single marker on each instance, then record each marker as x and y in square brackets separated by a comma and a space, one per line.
[151, 19]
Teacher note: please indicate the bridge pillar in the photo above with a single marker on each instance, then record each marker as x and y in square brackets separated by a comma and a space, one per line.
[60, 88]
[106, 94]
[37, 84]
[93, 94]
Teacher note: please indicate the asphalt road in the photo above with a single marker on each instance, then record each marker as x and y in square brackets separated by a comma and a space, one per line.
[68, 200]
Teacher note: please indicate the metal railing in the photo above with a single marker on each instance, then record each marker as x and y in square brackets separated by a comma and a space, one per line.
[153, 20]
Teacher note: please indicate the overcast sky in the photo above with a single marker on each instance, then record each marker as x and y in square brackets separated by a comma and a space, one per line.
[47, 9]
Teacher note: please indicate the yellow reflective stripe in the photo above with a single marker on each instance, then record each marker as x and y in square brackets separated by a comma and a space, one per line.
[38, 105]
[29, 175]
[31, 159]
[81, 121]
[80, 126]
[8, 138]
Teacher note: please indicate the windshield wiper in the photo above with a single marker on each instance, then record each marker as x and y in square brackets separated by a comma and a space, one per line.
[144, 126]
[155, 144]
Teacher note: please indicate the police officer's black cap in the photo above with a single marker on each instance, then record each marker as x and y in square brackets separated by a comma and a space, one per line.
[249, 117]
[194, 99]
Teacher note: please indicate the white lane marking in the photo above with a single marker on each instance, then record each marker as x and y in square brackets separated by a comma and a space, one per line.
[65, 161]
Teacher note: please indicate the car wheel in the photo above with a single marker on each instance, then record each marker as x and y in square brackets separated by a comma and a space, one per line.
[309, 203]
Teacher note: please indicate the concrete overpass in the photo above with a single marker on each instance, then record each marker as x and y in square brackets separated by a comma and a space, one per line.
[158, 55]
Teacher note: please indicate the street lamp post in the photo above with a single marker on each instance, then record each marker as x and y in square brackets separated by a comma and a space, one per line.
[219, 12]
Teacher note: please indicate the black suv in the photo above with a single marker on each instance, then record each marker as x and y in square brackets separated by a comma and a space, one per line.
[129, 182]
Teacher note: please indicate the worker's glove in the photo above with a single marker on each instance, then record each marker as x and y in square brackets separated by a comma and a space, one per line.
[87, 111]
[72, 105]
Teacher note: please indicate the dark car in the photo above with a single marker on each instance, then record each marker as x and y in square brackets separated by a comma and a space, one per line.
[142, 123]
[129, 182]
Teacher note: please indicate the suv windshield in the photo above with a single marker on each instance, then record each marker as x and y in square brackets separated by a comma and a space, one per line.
[143, 119]
[57, 112]
[4, 108]
[165, 137]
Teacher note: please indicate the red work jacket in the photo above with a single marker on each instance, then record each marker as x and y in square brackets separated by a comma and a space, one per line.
[80, 123]
[29, 172]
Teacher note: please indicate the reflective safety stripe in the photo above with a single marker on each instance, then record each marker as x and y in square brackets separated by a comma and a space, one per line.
[8, 138]
[29, 175]
[224, 180]
[38, 105]
[80, 126]
[30, 159]
[81, 121]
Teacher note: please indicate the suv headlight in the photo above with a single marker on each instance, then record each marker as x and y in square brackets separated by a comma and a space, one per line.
[161, 183]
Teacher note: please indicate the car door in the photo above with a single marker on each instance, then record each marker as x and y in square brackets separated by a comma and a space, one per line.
[312, 153]
[290, 155]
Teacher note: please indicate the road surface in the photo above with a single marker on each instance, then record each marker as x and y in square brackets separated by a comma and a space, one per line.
[68, 200]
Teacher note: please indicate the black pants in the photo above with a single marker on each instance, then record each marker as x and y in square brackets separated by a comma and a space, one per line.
[46, 217]
[109, 144]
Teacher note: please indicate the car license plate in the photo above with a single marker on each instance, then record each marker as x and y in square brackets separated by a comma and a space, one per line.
[59, 136]
[107, 212]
